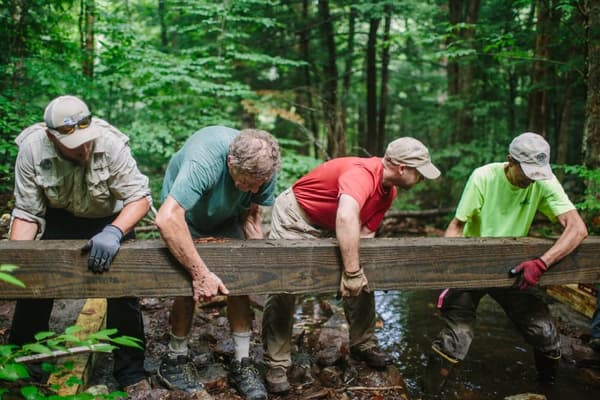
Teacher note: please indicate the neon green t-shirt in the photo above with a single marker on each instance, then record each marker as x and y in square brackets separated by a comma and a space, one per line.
[491, 206]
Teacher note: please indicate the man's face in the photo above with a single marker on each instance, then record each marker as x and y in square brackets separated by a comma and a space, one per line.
[516, 176]
[79, 155]
[246, 182]
[408, 177]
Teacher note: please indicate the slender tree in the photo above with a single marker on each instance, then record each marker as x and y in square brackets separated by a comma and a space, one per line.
[372, 143]
[336, 140]
[591, 144]
[385, 67]
[538, 102]
[463, 16]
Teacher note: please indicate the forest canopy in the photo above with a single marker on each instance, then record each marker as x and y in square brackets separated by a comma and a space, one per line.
[327, 78]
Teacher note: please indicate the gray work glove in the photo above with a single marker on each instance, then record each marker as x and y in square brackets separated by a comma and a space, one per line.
[353, 283]
[104, 247]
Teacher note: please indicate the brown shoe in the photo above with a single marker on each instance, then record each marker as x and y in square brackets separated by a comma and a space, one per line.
[276, 379]
[374, 357]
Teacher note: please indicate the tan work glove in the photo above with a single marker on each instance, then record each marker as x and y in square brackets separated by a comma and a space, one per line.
[353, 283]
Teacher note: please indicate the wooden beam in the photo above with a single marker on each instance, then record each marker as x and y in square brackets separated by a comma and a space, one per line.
[146, 268]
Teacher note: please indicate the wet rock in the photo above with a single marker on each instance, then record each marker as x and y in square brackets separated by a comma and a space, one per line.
[214, 377]
[225, 348]
[331, 377]
[333, 343]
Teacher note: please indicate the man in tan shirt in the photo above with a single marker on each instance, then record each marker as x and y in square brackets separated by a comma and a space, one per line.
[75, 178]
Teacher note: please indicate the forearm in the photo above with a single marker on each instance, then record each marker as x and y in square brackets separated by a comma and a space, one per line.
[347, 231]
[573, 234]
[253, 223]
[455, 228]
[131, 214]
[23, 230]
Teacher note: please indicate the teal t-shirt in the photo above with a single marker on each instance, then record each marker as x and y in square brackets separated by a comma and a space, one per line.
[491, 206]
[197, 178]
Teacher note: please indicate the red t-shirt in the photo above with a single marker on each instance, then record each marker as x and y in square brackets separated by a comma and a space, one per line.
[318, 191]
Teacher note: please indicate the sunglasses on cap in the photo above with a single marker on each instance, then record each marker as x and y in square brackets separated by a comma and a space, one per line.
[81, 124]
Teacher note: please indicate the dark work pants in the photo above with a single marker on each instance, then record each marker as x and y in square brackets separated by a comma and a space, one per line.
[124, 314]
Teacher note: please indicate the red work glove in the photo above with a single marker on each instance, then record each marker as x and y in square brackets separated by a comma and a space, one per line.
[530, 272]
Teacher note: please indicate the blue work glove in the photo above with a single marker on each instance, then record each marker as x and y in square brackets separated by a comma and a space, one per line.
[529, 272]
[104, 247]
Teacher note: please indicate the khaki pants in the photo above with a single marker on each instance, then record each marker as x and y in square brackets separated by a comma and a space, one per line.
[290, 222]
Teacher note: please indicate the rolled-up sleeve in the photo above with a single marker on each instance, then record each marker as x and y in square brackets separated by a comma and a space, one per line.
[127, 183]
[30, 204]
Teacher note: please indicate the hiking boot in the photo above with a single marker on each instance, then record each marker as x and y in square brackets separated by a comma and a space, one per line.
[277, 381]
[179, 373]
[245, 378]
[374, 357]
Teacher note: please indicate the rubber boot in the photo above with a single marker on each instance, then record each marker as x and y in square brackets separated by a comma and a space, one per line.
[547, 366]
[439, 366]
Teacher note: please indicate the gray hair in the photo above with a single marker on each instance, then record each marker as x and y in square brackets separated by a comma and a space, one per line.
[256, 153]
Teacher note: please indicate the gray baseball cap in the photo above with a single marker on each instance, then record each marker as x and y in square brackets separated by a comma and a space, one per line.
[532, 152]
[412, 153]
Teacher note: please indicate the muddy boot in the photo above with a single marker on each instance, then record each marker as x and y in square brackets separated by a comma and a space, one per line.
[439, 366]
[547, 366]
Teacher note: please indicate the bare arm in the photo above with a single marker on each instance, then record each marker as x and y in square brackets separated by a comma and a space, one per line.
[347, 231]
[131, 214]
[21, 229]
[574, 232]
[253, 223]
[455, 228]
[170, 221]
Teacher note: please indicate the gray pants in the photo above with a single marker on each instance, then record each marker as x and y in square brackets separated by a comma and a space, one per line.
[290, 222]
[525, 308]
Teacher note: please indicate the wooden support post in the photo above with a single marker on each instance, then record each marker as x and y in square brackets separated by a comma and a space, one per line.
[57, 269]
[90, 320]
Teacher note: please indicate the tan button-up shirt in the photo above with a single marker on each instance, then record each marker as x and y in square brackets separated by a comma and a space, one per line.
[109, 181]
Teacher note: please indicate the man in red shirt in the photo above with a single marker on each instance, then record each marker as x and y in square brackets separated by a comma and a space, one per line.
[347, 196]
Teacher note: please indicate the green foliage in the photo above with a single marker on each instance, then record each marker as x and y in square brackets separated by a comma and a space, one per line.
[13, 369]
[583, 185]
[5, 275]
[294, 165]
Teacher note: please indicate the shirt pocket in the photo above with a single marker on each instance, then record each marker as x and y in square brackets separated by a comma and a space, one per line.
[54, 189]
[98, 182]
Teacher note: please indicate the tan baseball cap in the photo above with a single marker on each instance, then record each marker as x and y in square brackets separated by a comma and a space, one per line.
[532, 152]
[412, 153]
[70, 111]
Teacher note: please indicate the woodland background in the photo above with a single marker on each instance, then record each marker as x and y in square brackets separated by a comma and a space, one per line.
[328, 78]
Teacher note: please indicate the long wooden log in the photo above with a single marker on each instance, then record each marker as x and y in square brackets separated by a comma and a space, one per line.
[145, 268]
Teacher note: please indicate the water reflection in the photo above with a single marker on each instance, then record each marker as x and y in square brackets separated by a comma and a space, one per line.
[499, 363]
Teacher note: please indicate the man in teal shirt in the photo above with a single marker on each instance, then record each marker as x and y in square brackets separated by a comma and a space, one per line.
[501, 200]
[214, 186]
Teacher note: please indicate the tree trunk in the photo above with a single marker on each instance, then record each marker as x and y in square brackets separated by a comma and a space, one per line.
[538, 98]
[460, 73]
[385, 63]
[371, 82]
[336, 143]
[86, 31]
[591, 141]
[162, 14]
[348, 68]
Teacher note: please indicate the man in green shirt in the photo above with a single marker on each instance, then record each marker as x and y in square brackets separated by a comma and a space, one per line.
[214, 186]
[500, 200]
